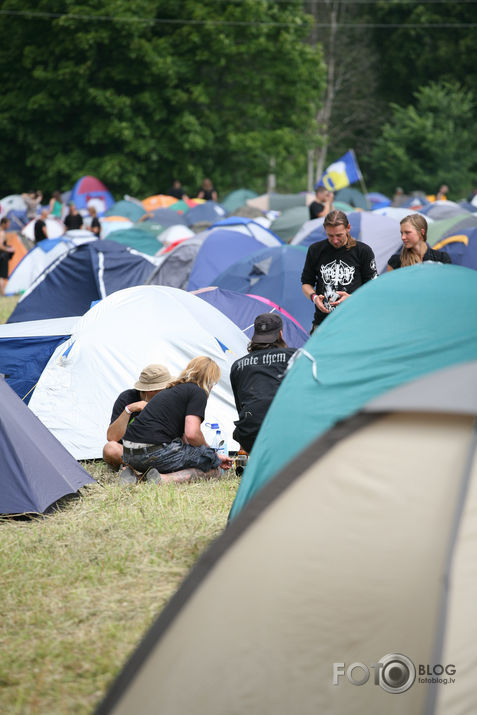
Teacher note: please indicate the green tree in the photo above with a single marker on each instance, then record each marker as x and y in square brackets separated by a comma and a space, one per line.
[429, 142]
[137, 91]
[421, 42]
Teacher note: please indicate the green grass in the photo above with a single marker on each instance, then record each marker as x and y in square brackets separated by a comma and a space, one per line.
[81, 586]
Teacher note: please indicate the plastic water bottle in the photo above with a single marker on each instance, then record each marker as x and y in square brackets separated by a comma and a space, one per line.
[220, 445]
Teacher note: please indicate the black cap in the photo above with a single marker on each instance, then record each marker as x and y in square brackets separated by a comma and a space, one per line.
[267, 328]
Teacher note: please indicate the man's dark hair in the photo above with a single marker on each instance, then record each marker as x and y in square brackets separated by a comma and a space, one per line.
[278, 343]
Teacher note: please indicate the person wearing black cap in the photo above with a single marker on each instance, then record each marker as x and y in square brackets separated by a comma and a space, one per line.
[256, 377]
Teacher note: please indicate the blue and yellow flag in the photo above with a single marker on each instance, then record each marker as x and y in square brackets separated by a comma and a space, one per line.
[341, 173]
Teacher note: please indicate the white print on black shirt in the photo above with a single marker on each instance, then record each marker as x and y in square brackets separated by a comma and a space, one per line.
[265, 359]
[334, 273]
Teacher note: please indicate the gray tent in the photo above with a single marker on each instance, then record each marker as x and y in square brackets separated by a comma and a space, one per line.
[175, 268]
[347, 585]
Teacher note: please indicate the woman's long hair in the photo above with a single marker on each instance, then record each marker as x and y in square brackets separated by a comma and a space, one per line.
[202, 370]
[339, 218]
[408, 256]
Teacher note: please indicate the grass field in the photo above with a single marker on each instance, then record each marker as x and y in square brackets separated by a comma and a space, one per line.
[81, 586]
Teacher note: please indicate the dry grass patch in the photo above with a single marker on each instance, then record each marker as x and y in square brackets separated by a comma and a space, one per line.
[81, 586]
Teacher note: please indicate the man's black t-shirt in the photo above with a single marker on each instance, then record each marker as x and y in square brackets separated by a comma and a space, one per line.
[125, 398]
[73, 221]
[430, 256]
[163, 418]
[38, 229]
[255, 378]
[330, 269]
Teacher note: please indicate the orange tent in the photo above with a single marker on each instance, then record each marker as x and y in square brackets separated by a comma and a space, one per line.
[159, 201]
[16, 242]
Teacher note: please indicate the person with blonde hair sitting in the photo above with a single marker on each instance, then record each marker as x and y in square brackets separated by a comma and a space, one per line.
[415, 248]
[165, 441]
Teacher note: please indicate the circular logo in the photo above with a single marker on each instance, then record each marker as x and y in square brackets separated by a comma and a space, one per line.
[397, 674]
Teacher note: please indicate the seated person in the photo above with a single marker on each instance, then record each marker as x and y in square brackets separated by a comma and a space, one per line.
[128, 405]
[166, 438]
[256, 377]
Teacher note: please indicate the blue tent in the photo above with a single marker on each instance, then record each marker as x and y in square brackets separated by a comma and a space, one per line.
[274, 273]
[208, 212]
[461, 246]
[87, 188]
[251, 227]
[25, 349]
[242, 309]
[221, 249]
[386, 336]
[84, 274]
[36, 469]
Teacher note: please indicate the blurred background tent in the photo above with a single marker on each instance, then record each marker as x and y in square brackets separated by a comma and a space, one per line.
[128, 209]
[289, 222]
[273, 273]
[250, 227]
[280, 202]
[242, 309]
[220, 249]
[80, 276]
[89, 188]
[237, 198]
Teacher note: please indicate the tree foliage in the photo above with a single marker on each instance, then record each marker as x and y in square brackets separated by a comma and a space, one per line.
[136, 92]
[429, 142]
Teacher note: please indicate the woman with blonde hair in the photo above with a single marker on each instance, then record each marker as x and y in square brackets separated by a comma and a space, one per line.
[415, 248]
[166, 436]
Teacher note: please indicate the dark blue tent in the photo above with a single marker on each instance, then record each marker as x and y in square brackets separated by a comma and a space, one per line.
[274, 273]
[84, 274]
[461, 247]
[242, 309]
[36, 470]
[26, 347]
[221, 249]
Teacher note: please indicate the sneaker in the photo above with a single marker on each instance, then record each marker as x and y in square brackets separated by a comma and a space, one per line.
[153, 475]
[127, 476]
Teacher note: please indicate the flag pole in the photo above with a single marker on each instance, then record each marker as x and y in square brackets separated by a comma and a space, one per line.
[361, 180]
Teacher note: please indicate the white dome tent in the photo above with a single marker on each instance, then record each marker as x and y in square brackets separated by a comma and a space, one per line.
[111, 344]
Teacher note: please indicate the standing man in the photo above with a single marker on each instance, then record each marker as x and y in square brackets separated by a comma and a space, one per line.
[256, 377]
[322, 204]
[39, 227]
[74, 219]
[335, 267]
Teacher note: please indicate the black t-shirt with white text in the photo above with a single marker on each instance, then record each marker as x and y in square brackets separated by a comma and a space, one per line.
[163, 418]
[255, 378]
[330, 269]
